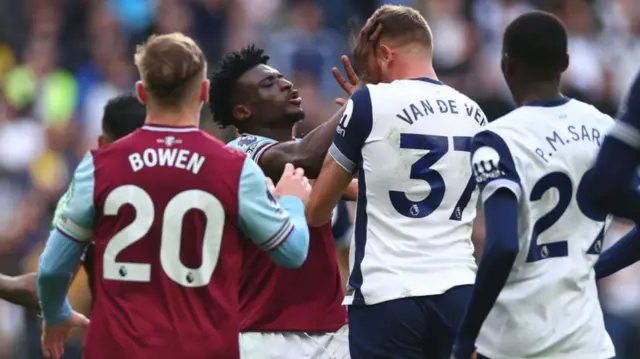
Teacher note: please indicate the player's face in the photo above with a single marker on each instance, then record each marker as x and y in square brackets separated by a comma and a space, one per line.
[270, 98]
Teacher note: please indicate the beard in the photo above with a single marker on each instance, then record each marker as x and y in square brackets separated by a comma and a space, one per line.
[293, 117]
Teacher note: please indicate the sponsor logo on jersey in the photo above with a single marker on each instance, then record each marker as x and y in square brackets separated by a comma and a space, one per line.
[346, 117]
[486, 164]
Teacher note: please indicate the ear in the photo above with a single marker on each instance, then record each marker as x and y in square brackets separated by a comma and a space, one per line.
[504, 65]
[385, 52]
[102, 141]
[565, 64]
[141, 92]
[241, 112]
[204, 91]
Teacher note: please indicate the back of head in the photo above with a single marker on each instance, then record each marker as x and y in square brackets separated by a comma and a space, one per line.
[171, 68]
[403, 25]
[537, 40]
[122, 115]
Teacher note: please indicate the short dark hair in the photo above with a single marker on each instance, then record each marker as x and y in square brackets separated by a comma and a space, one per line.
[122, 115]
[538, 40]
[223, 81]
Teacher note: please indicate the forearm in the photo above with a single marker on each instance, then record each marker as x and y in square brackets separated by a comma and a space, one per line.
[57, 266]
[622, 254]
[20, 290]
[351, 193]
[307, 154]
[293, 251]
[499, 254]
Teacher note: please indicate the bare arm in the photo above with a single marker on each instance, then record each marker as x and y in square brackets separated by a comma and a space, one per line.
[351, 193]
[326, 192]
[20, 290]
[307, 153]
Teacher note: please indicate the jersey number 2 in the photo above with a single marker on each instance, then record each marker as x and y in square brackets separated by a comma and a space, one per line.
[438, 146]
[170, 238]
[562, 183]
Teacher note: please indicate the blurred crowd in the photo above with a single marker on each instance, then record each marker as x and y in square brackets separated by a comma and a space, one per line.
[61, 60]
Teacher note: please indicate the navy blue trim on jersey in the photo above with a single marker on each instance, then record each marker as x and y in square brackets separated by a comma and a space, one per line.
[342, 225]
[360, 239]
[613, 186]
[622, 254]
[499, 253]
[429, 80]
[549, 103]
[493, 165]
[353, 130]
[630, 108]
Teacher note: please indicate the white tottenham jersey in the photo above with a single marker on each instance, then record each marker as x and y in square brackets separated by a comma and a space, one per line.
[410, 142]
[549, 305]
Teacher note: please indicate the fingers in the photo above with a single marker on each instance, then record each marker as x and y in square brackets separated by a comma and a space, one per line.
[299, 173]
[341, 101]
[288, 170]
[376, 33]
[349, 70]
[52, 348]
[306, 183]
[341, 80]
[79, 321]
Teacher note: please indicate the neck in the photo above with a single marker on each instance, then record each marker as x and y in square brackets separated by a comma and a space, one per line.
[172, 118]
[415, 67]
[541, 91]
[278, 134]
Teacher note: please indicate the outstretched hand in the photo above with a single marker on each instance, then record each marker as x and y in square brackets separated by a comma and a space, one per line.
[54, 337]
[348, 86]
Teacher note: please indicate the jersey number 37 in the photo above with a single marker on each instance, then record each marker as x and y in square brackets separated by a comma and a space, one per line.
[438, 146]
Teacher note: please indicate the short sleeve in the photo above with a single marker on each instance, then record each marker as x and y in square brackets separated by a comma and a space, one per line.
[261, 217]
[493, 166]
[353, 130]
[252, 145]
[76, 212]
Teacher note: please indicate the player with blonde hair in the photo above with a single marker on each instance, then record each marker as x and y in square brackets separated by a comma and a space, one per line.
[165, 207]
[406, 135]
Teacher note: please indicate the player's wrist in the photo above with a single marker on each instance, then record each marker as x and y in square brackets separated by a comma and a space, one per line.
[59, 316]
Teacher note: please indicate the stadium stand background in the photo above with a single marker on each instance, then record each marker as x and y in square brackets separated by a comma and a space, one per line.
[61, 60]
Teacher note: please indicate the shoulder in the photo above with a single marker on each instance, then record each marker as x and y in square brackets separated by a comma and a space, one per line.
[250, 144]
[592, 111]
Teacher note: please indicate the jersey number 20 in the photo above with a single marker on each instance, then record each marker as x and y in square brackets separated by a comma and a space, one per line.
[438, 146]
[170, 238]
[562, 183]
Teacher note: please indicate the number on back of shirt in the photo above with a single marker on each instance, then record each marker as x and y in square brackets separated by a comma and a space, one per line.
[170, 239]
[561, 182]
[438, 147]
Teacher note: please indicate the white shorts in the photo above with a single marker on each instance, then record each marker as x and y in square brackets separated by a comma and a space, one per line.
[293, 345]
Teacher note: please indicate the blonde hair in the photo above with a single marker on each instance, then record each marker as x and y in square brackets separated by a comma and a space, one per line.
[404, 24]
[171, 67]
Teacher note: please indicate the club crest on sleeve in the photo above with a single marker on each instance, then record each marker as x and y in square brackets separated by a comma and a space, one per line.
[246, 140]
[486, 164]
